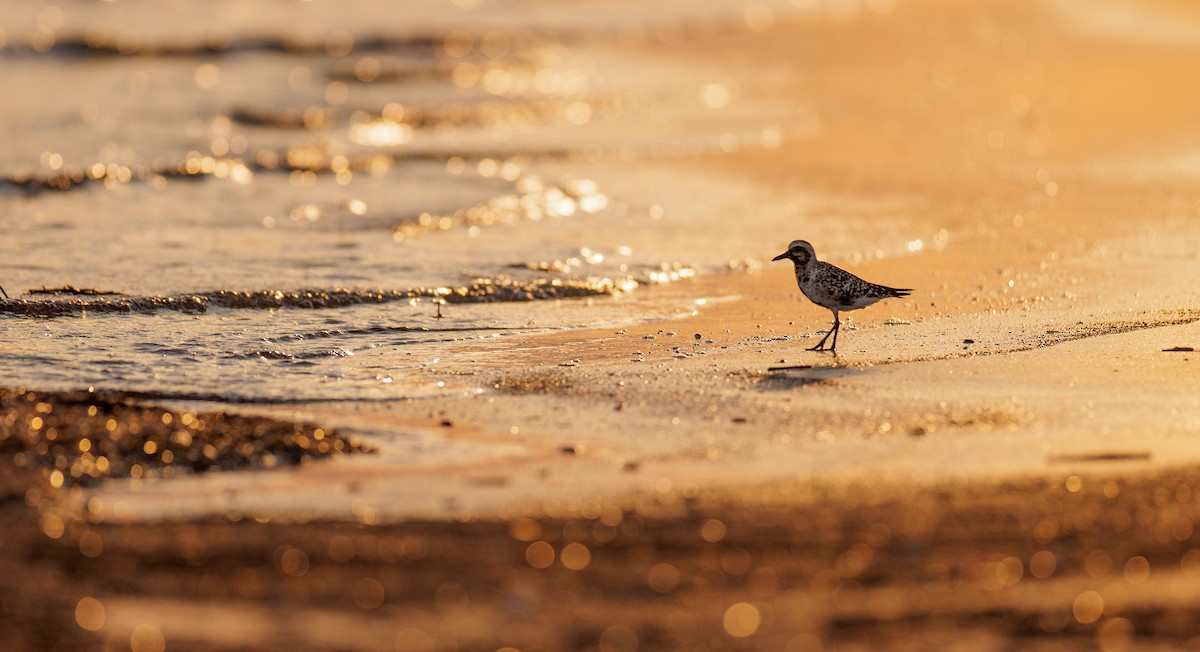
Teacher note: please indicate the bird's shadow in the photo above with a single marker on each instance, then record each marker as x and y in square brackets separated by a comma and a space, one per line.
[793, 376]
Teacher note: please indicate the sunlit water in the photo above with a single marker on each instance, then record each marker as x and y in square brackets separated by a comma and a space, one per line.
[338, 168]
[364, 352]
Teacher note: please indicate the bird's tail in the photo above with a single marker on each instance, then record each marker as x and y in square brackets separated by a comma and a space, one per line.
[899, 292]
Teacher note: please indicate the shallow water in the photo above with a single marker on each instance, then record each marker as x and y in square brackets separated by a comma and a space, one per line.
[363, 352]
[270, 211]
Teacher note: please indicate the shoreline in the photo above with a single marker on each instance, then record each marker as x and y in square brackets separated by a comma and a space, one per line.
[601, 414]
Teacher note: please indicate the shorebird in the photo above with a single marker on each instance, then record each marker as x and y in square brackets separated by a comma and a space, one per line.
[832, 287]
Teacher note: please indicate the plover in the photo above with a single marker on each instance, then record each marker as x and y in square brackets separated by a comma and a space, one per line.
[833, 288]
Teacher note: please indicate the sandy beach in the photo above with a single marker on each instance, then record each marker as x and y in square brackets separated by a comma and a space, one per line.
[1004, 460]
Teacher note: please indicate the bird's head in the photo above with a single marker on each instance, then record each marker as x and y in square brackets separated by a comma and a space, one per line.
[799, 252]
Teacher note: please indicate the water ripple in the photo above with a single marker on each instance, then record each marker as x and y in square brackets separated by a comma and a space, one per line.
[479, 291]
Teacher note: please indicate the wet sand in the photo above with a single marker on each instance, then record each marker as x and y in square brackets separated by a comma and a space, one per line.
[1004, 460]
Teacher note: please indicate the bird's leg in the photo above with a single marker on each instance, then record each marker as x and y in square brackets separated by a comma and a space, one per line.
[821, 345]
[832, 331]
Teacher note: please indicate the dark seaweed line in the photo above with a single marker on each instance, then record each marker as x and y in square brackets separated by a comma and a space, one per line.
[31, 184]
[481, 291]
[103, 46]
[478, 113]
[110, 398]
[383, 330]
[134, 395]
[71, 178]
[82, 47]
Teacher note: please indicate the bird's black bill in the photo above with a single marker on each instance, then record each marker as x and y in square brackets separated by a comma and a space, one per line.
[783, 255]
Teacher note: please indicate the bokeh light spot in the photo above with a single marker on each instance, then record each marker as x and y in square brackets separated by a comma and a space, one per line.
[713, 530]
[1115, 635]
[89, 613]
[1088, 607]
[1042, 564]
[539, 554]
[742, 620]
[1137, 570]
[663, 578]
[576, 556]
[207, 76]
[715, 96]
[294, 562]
[147, 638]
[368, 593]
[524, 529]
[91, 544]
